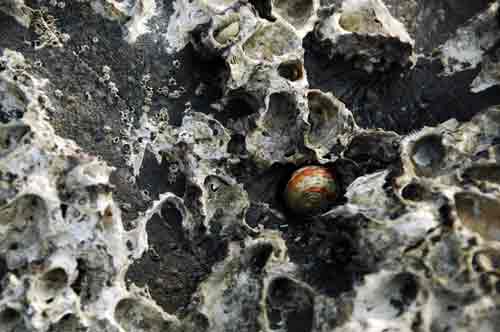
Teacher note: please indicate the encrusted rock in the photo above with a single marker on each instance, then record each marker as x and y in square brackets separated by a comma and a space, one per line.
[62, 237]
[133, 14]
[18, 10]
[489, 75]
[404, 239]
[365, 32]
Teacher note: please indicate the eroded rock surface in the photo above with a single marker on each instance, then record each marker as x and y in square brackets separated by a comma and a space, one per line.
[145, 149]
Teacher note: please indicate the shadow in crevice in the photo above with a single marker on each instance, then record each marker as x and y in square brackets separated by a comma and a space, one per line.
[397, 100]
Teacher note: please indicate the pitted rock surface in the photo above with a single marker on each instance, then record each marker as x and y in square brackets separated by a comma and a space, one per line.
[146, 145]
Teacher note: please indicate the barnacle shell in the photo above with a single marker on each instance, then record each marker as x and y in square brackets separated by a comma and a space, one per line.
[311, 190]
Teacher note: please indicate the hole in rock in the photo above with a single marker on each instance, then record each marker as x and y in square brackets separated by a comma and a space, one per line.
[259, 255]
[413, 192]
[323, 117]
[374, 151]
[290, 304]
[56, 278]
[64, 210]
[292, 70]
[77, 285]
[296, 12]
[390, 298]
[406, 290]
[238, 106]
[52, 283]
[3, 271]
[176, 261]
[11, 136]
[427, 155]
[264, 9]
[7, 115]
[329, 254]
[281, 123]
[237, 145]
[172, 216]
[161, 177]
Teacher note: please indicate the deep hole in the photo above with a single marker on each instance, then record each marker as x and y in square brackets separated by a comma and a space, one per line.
[172, 214]
[280, 291]
[78, 284]
[239, 105]
[57, 275]
[3, 271]
[237, 145]
[476, 264]
[408, 287]
[374, 151]
[260, 256]
[64, 209]
[297, 12]
[427, 154]
[413, 192]
[56, 278]
[290, 302]
[291, 70]
[264, 9]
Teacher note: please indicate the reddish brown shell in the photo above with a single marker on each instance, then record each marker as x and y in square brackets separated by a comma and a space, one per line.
[311, 190]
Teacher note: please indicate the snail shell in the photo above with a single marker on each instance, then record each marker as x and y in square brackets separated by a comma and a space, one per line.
[311, 190]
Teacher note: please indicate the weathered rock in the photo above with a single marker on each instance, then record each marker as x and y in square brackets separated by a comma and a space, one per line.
[365, 32]
[409, 242]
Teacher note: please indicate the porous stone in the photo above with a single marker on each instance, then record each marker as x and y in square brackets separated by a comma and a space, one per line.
[192, 207]
[365, 32]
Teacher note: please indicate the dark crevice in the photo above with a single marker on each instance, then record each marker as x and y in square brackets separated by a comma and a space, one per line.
[291, 305]
[401, 101]
[264, 8]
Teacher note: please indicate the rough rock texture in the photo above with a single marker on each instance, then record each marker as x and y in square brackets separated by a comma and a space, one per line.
[490, 73]
[63, 241]
[366, 32]
[145, 147]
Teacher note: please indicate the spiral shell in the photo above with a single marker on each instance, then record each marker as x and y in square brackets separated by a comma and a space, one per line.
[311, 190]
